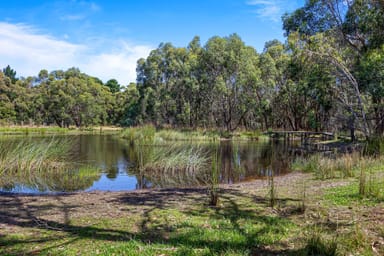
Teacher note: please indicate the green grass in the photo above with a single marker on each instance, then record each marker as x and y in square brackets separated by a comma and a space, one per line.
[235, 228]
[174, 165]
[141, 135]
[42, 166]
[164, 135]
[33, 130]
[20, 130]
[27, 157]
[349, 195]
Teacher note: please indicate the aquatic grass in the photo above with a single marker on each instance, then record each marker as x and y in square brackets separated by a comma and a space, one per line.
[148, 134]
[175, 135]
[67, 179]
[25, 156]
[172, 164]
[143, 135]
[41, 165]
[214, 180]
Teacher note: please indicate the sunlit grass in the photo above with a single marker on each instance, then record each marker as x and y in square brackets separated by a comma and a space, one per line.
[175, 165]
[159, 136]
[42, 166]
[29, 157]
[324, 167]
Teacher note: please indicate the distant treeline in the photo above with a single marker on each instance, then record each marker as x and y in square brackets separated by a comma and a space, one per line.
[328, 75]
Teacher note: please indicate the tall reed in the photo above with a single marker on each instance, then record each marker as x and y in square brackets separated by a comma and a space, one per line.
[173, 165]
[215, 172]
[26, 156]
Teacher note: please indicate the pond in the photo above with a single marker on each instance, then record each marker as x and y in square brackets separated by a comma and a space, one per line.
[109, 163]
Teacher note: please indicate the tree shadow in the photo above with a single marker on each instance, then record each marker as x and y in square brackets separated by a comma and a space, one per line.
[190, 235]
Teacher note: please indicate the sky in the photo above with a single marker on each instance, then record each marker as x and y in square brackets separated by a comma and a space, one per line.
[105, 38]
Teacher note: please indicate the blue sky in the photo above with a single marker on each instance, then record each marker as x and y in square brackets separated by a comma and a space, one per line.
[105, 38]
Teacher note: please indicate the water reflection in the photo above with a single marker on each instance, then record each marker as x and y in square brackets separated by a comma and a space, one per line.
[116, 161]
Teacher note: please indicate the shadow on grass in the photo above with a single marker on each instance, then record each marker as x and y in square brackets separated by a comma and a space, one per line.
[231, 228]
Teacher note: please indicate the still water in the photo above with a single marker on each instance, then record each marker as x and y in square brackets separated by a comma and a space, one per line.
[110, 165]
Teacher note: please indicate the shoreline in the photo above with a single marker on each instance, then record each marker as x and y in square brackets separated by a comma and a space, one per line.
[150, 221]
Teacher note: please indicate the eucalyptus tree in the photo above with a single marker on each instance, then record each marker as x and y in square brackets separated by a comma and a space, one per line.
[233, 77]
[273, 65]
[7, 111]
[341, 33]
[168, 85]
[73, 98]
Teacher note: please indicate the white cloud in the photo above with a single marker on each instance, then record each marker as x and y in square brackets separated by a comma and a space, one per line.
[28, 51]
[272, 9]
[119, 64]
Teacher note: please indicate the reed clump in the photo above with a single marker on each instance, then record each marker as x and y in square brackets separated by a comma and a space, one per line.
[52, 180]
[214, 179]
[30, 157]
[148, 134]
[172, 164]
[143, 135]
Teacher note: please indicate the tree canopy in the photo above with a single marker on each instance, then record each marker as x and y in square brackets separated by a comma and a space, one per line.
[327, 75]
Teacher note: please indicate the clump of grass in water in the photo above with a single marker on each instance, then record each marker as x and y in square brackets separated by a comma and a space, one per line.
[142, 135]
[175, 165]
[214, 184]
[31, 157]
[53, 180]
[147, 134]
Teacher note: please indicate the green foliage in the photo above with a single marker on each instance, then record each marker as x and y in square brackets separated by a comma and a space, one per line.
[113, 85]
[328, 75]
[10, 73]
[316, 244]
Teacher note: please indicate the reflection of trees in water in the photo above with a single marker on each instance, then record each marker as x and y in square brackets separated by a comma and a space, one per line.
[239, 161]
[245, 160]
[51, 180]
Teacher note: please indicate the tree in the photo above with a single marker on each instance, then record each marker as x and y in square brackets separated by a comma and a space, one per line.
[343, 33]
[7, 111]
[113, 85]
[233, 76]
[9, 72]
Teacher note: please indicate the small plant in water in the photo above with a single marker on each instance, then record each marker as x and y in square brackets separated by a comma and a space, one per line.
[214, 186]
